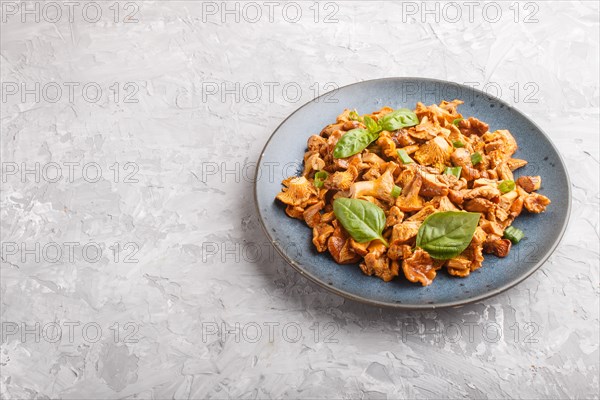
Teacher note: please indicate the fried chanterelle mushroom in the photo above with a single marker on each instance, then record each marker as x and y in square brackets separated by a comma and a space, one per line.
[398, 168]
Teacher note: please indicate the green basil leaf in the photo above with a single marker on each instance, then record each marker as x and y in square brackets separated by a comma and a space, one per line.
[363, 220]
[353, 142]
[445, 235]
[456, 121]
[371, 124]
[401, 118]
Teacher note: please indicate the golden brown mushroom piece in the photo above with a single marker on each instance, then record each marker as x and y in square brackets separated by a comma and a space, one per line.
[410, 200]
[490, 174]
[419, 267]
[459, 266]
[462, 158]
[312, 215]
[498, 247]
[444, 113]
[478, 205]
[504, 172]
[405, 232]
[451, 108]
[445, 204]
[342, 180]
[316, 143]
[331, 129]
[395, 216]
[342, 164]
[362, 249]
[321, 232]
[426, 130]
[456, 197]
[382, 111]
[297, 191]
[402, 138]
[378, 264]
[340, 248]
[388, 147]
[349, 125]
[503, 145]
[433, 185]
[516, 207]
[373, 160]
[423, 213]
[295, 212]
[475, 254]
[380, 188]
[470, 259]
[491, 228]
[530, 183]
[536, 203]
[435, 152]
[312, 162]
[486, 192]
[515, 163]
[472, 126]
[399, 251]
[332, 140]
[467, 262]
[507, 199]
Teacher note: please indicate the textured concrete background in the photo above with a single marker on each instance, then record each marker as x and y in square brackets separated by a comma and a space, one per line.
[133, 265]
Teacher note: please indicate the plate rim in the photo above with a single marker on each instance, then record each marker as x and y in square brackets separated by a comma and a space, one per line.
[401, 306]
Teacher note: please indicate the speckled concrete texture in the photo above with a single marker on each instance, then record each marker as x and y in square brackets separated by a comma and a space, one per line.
[133, 263]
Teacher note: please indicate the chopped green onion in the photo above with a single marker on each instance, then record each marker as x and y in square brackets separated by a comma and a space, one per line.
[513, 234]
[506, 186]
[453, 171]
[404, 157]
[458, 144]
[353, 116]
[396, 191]
[476, 158]
[320, 178]
[456, 121]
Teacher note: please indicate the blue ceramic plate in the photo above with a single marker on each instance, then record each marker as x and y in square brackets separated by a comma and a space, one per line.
[283, 154]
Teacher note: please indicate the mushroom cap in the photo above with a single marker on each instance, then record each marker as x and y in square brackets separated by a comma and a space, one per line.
[297, 191]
